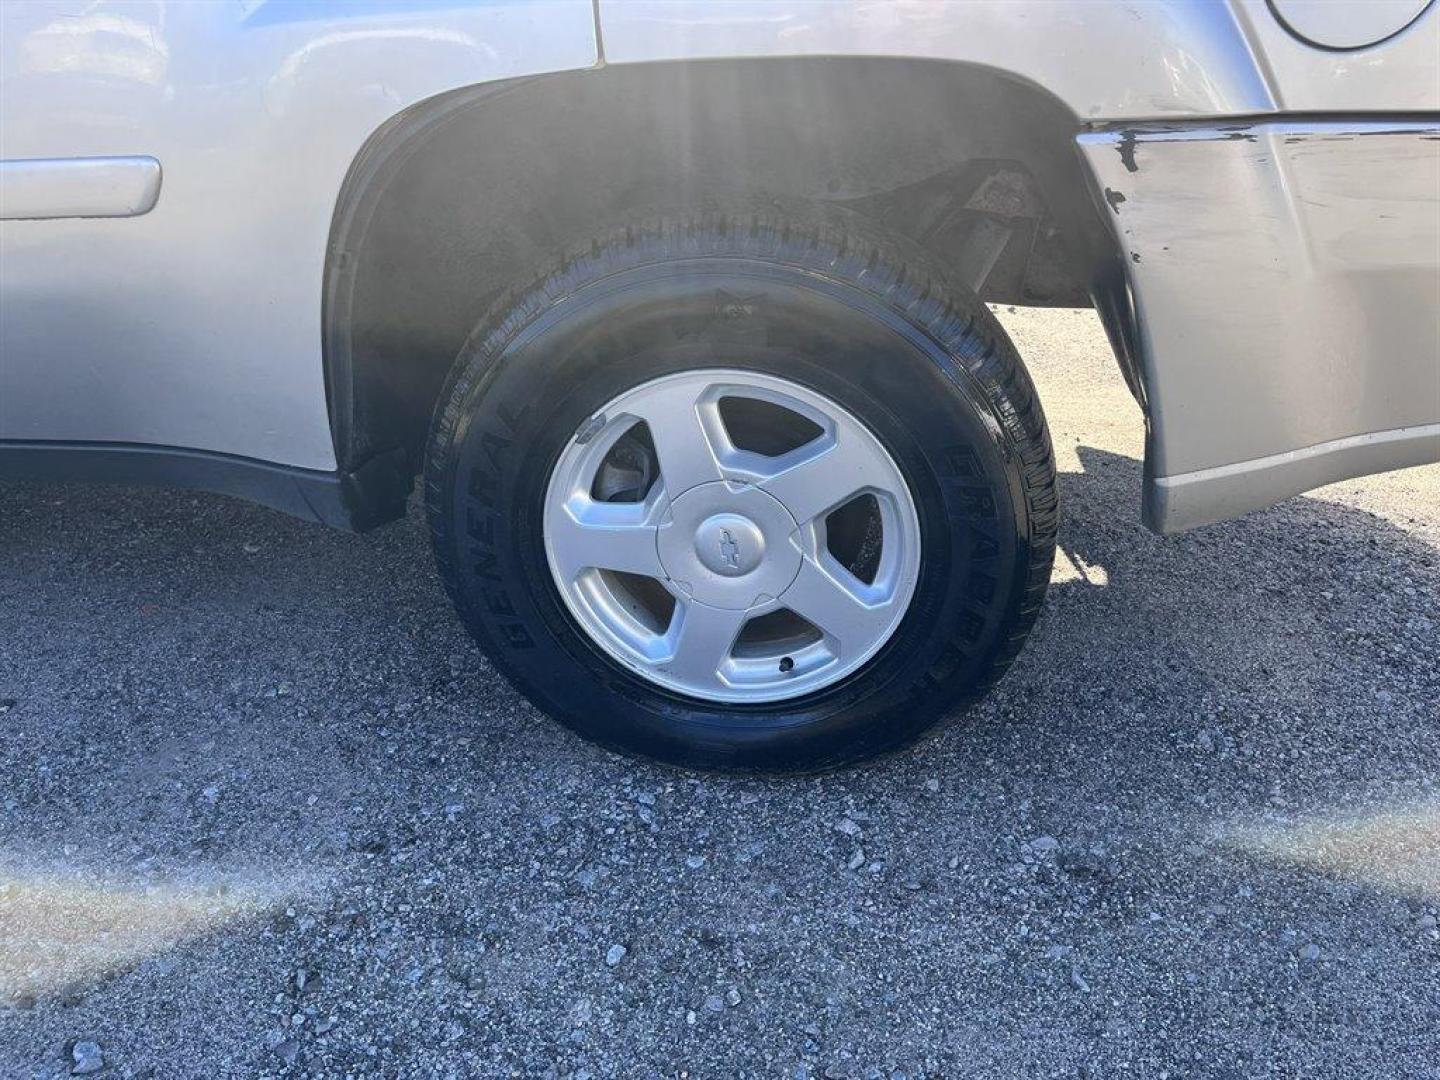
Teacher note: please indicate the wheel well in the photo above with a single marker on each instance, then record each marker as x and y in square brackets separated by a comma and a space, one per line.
[471, 193]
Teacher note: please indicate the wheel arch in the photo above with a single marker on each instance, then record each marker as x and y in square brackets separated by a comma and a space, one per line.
[467, 195]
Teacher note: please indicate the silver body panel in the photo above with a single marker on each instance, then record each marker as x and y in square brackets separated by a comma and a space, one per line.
[1179, 58]
[198, 325]
[1286, 284]
[1286, 276]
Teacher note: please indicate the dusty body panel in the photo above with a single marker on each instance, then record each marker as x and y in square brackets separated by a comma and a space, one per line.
[198, 325]
[1286, 278]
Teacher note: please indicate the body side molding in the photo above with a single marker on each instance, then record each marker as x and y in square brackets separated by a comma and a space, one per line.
[1176, 503]
[80, 187]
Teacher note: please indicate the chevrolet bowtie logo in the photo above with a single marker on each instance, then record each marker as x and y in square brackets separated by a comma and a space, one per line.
[729, 549]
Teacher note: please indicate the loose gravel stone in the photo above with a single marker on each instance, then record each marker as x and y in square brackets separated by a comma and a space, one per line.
[87, 1058]
[287, 1051]
[615, 954]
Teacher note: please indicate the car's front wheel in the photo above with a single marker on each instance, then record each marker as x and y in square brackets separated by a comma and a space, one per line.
[764, 497]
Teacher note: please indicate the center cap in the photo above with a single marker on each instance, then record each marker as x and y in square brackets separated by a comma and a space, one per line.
[728, 545]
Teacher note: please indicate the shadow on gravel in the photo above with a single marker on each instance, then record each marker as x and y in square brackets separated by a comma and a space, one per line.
[1127, 856]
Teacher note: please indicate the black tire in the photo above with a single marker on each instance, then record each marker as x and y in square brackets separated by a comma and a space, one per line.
[921, 361]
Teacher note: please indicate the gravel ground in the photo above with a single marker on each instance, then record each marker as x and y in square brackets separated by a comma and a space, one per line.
[267, 811]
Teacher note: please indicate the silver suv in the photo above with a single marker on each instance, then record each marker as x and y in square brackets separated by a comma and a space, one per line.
[679, 306]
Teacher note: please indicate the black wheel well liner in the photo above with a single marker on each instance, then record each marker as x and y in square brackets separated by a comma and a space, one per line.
[465, 196]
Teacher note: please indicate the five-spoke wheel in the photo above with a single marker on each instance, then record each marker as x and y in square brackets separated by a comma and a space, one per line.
[732, 535]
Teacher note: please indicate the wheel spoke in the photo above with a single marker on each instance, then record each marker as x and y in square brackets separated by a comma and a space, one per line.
[826, 477]
[682, 443]
[835, 609]
[706, 636]
[604, 536]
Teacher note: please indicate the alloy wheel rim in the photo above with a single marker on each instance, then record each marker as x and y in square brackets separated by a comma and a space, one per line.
[731, 536]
